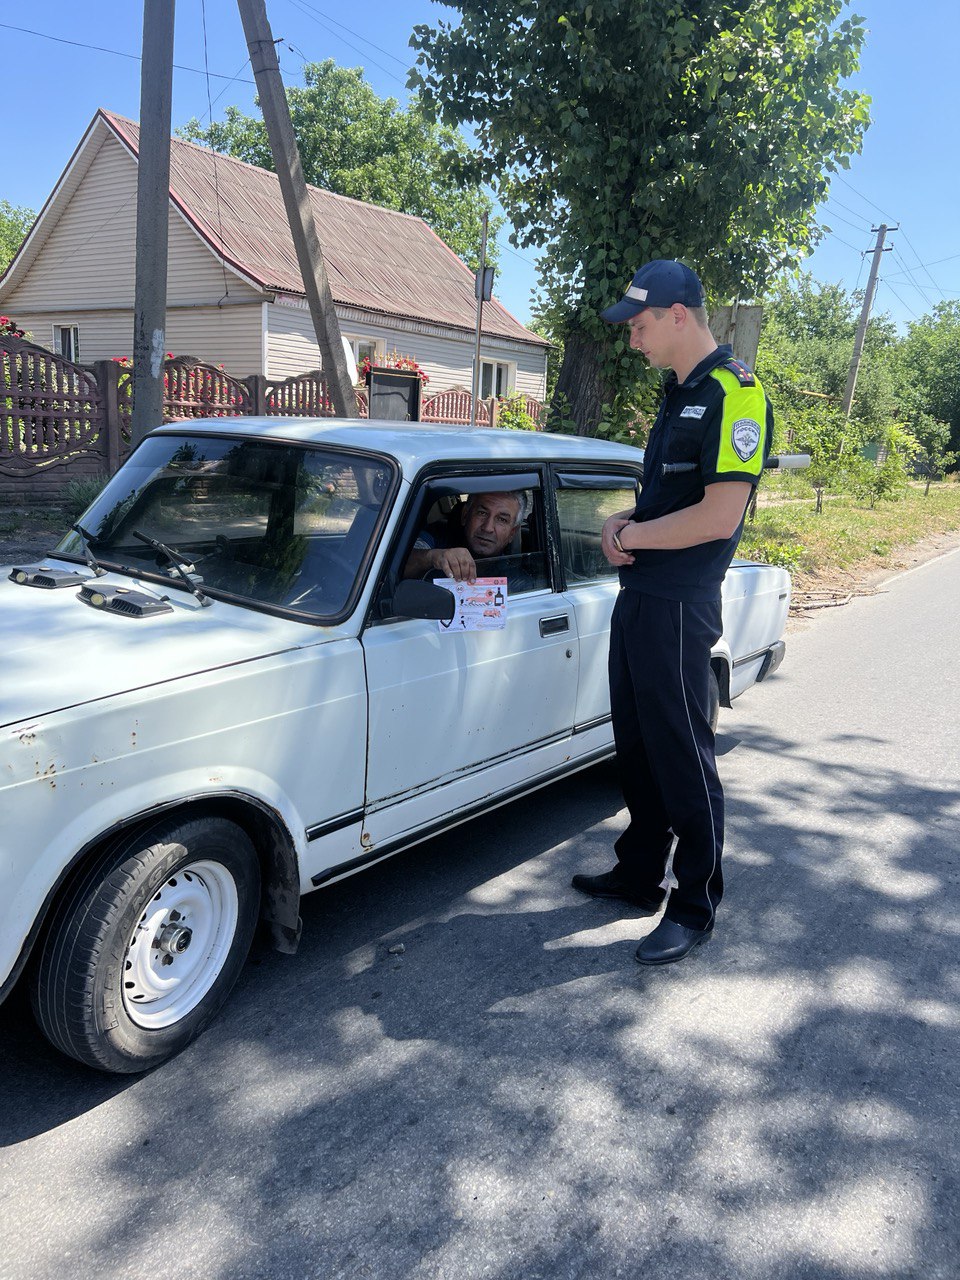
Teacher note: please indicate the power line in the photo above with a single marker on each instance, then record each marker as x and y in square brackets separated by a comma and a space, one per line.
[117, 53]
[864, 198]
[830, 214]
[898, 298]
[913, 279]
[917, 256]
[832, 200]
[305, 10]
[363, 40]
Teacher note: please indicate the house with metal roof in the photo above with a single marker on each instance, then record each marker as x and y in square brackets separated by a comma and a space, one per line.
[234, 293]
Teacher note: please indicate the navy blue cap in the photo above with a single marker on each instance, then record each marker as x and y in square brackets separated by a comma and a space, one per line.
[660, 283]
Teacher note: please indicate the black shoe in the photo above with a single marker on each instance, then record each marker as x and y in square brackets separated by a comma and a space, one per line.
[670, 941]
[612, 885]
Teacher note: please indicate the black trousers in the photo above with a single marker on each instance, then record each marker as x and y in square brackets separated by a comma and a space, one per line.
[659, 680]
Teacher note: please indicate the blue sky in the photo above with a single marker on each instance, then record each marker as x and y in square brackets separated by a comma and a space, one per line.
[907, 172]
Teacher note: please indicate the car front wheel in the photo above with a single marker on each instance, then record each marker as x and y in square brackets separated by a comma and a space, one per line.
[144, 947]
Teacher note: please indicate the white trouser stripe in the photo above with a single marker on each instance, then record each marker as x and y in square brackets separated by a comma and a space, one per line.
[703, 776]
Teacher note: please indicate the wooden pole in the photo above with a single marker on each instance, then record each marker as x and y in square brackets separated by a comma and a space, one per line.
[153, 205]
[878, 251]
[476, 352]
[296, 199]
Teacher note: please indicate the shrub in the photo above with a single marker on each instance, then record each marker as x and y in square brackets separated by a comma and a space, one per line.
[512, 414]
[79, 494]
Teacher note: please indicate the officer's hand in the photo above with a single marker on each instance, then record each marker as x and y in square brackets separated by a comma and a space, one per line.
[454, 562]
[612, 526]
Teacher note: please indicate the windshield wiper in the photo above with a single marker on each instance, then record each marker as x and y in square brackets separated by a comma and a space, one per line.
[85, 545]
[177, 562]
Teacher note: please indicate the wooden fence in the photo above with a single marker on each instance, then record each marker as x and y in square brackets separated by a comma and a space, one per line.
[61, 421]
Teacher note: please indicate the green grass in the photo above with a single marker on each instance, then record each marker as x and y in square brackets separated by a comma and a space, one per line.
[848, 531]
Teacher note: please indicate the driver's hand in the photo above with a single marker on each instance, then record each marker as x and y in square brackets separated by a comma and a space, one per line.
[454, 562]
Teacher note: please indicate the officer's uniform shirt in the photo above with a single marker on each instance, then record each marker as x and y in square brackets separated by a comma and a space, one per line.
[715, 426]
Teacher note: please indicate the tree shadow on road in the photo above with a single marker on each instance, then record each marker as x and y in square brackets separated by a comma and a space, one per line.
[512, 1097]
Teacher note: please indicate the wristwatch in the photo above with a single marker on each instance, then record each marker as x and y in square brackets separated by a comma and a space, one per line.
[618, 544]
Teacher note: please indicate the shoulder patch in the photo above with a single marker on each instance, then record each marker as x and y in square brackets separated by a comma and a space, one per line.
[743, 375]
[745, 437]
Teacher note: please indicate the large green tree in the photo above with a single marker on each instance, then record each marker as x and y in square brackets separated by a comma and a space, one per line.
[615, 132]
[15, 222]
[931, 372]
[355, 143]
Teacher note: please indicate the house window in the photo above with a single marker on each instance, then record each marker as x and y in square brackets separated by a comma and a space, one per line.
[496, 379]
[66, 341]
[364, 347]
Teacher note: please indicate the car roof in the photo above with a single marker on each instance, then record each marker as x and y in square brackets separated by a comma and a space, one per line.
[414, 444]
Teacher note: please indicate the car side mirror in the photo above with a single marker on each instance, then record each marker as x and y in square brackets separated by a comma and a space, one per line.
[415, 599]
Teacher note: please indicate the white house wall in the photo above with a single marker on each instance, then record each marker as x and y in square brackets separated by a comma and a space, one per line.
[84, 276]
[448, 361]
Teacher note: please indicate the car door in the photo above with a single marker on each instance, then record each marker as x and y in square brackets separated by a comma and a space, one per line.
[458, 718]
[584, 500]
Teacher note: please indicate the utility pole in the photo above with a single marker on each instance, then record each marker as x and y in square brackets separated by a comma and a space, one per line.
[153, 206]
[483, 288]
[296, 199]
[878, 251]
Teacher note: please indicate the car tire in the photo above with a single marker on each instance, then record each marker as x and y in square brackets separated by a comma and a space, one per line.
[146, 943]
[713, 700]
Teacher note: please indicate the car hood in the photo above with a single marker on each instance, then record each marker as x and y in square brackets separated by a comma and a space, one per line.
[56, 651]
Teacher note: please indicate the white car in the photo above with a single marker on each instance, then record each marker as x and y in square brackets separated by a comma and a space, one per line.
[220, 693]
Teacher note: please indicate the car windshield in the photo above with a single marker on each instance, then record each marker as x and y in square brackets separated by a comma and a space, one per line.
[282, 526]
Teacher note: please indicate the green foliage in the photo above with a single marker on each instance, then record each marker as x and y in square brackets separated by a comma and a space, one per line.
[931, 374]
[617, 133]
[887, 479]
[15, 222]
[512, 414]
[79, 494]
[370, 148]
[785, 552]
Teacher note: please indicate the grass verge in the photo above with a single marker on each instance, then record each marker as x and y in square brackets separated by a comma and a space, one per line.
[848, 532]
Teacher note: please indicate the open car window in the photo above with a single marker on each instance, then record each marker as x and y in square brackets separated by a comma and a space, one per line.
[278, 525]
[441, 510]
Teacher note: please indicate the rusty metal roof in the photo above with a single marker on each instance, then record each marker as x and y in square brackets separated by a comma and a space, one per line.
[376, 259]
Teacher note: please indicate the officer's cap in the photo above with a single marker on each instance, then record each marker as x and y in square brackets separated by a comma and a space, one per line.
[660, 283]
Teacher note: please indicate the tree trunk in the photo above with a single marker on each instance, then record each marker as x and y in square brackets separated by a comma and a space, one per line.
[581, 391]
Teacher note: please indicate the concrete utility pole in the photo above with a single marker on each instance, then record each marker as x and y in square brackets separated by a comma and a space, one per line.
[878, 250]
[296, 199]
[153, 205]
[482, 288]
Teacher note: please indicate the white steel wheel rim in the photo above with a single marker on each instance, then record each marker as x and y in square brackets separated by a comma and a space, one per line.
[180, 944]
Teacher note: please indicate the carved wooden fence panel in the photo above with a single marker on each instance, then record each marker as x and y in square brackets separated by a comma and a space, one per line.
[454, 406]
[196, 390]
[305, 395]
[59, 420]
[51, 417]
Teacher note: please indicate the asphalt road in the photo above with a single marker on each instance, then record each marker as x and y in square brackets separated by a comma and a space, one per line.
[512, 1097]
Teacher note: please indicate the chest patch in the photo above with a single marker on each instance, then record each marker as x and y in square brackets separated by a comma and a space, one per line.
[693, 411]
[745, 437]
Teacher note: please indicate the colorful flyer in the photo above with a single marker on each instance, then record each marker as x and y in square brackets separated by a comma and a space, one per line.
[480, 605]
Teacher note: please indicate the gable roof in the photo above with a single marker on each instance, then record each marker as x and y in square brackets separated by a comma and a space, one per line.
[376, 259]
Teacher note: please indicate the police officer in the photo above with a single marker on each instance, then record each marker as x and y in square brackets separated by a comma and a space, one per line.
[703, 459]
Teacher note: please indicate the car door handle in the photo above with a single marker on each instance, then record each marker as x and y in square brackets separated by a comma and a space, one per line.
[554, 626]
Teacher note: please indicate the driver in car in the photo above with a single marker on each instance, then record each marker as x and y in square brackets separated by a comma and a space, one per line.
[488, 522]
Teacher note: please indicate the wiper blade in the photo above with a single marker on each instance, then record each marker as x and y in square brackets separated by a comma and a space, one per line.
[177, 562]
[85, 544]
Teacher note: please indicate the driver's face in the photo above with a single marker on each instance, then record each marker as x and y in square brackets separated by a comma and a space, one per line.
[489, 521]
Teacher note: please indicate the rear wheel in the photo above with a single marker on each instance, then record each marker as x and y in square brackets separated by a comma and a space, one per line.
[145, 945]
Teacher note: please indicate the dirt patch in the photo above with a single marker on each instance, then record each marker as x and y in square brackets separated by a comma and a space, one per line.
[27, 536]
[832, 588]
